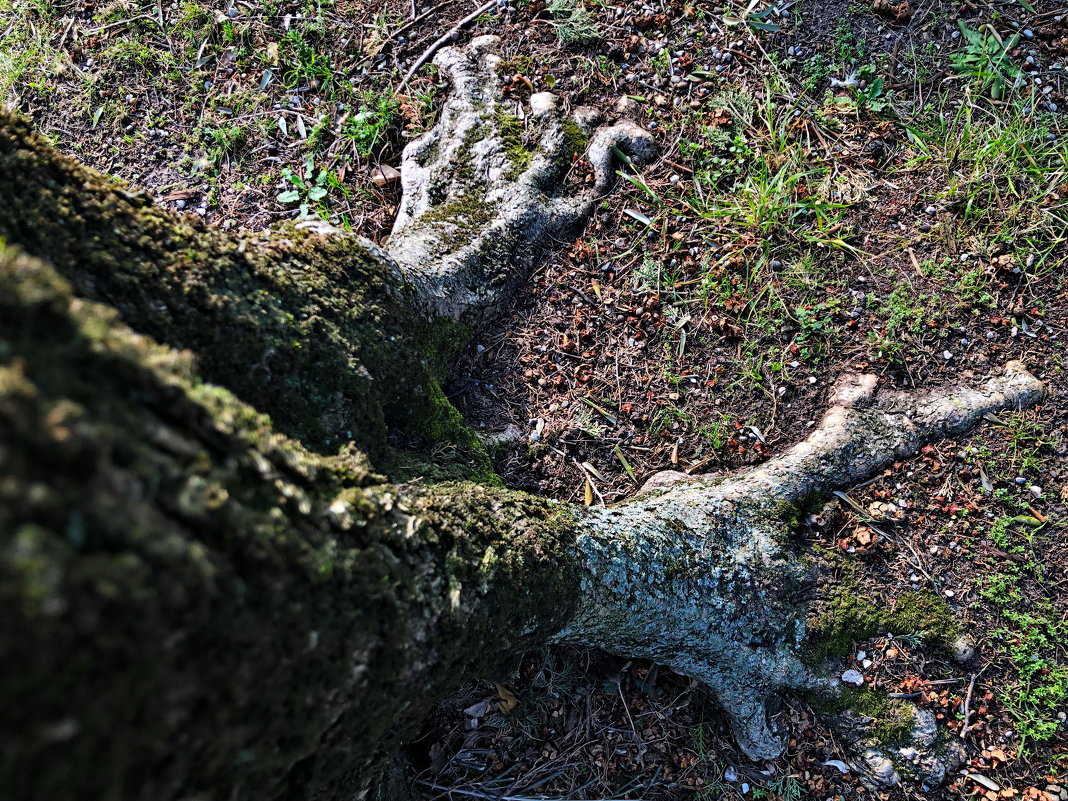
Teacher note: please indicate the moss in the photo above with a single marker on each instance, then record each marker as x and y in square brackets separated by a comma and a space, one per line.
[575, 139]
[510, 129]
[313, 330]
[892, 719]
[468, 213]
[210, 608]
[847, 616]
[442, 425]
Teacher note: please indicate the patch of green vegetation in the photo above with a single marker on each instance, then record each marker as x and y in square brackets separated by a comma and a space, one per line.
[904, 312]
[893, 717]
[1034, 646]
[575, 139]
[511, 130]
[369, 126]
[849, 616]
[847, 48]
[985, 59]
[574, 24]
[224, 139]
[307, 61]
[995, 165]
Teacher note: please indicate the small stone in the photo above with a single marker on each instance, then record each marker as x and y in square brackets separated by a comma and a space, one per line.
[854, 677]
[862, 655]
[932, 210]
[730, 774]
[1035, 490]
[1028, 33]
[1020, 480]
[949, 593]
[812, 379]
[947, 355]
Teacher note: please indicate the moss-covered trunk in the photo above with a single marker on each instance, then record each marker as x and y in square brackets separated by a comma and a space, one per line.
[314, 330]
[192, 605]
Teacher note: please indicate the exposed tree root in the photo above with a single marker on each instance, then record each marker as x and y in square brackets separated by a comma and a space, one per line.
[694, 573]
[483, 190]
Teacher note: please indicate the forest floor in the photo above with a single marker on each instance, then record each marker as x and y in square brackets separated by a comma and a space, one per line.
[842, 185]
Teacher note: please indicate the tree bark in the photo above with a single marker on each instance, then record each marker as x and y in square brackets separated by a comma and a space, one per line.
[207, 590]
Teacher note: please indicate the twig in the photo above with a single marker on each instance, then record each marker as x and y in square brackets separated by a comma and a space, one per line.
[448, 37]
[968, 701]
[93, 31]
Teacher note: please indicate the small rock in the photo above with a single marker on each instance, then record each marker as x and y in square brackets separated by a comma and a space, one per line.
[947, 355]
[854, 677]
[730, 774]
[932, 210]
[962, 650]
[384, 174]
[1035, 490]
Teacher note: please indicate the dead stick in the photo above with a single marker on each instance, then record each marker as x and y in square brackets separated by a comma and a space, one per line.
[448, 37]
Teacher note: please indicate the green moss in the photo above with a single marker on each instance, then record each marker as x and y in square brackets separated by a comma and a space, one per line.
[159, 540]
[519, 155]
[575, 139]
[847, 616]
[893, 718]
[460, 452]
[468, 213]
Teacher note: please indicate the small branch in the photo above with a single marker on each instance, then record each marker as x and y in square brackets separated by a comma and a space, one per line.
[444, 40]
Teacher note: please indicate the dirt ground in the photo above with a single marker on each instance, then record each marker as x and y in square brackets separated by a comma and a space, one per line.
[842, 185]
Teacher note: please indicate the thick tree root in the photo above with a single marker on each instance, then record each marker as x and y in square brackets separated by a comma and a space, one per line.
[695, 573]
[483, 190]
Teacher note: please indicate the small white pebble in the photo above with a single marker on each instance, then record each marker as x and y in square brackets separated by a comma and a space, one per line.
[947, 355]
[854, 677]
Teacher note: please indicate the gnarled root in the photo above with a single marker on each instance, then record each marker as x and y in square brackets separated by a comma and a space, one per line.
[483, 190]
[695, 573]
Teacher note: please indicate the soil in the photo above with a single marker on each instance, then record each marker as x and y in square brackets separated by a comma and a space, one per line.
[834, 193]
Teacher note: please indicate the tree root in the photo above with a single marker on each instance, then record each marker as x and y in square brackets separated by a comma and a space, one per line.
[696, 573]
[483, 190]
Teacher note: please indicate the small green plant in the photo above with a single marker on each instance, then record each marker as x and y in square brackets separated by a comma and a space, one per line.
[306, 189]
[574, 25]
[368, 126]
[787, 788]
[872, 96]
[757, 20]
[306, 64]
[985, 58]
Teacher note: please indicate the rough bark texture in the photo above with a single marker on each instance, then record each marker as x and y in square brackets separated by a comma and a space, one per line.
[191, 603]
[195, 604]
